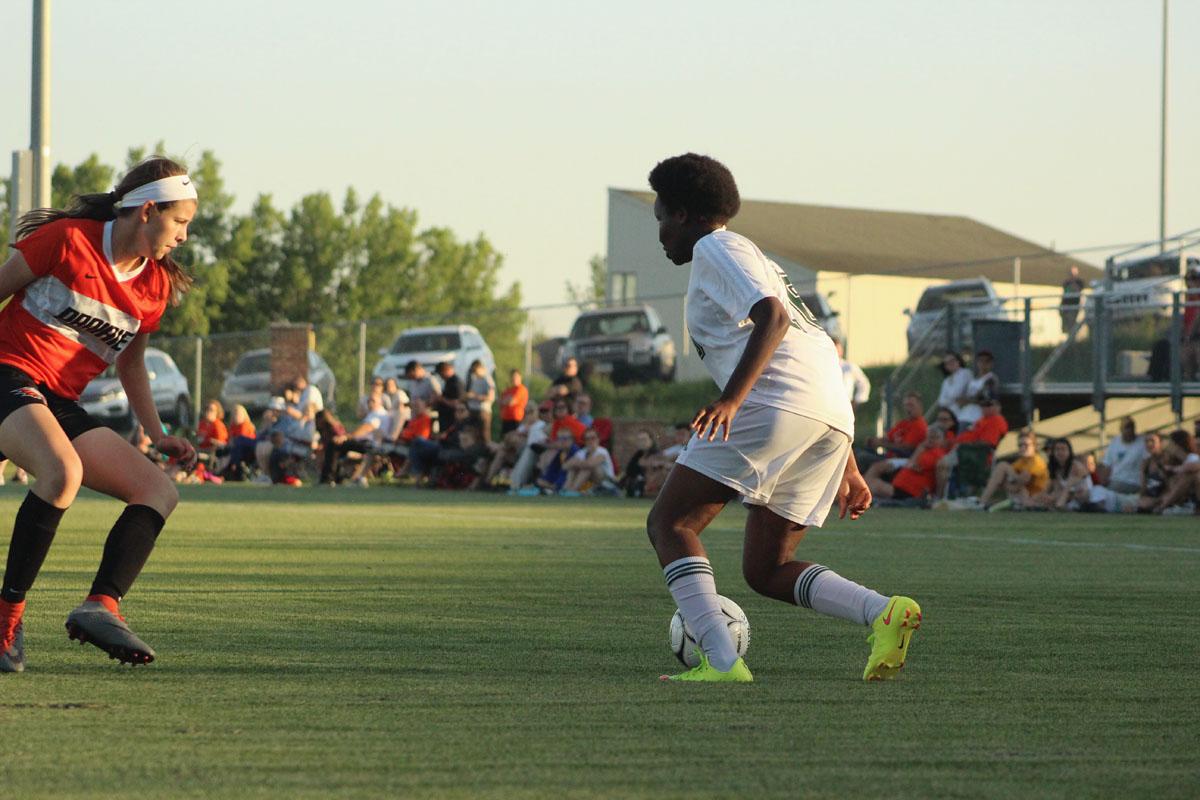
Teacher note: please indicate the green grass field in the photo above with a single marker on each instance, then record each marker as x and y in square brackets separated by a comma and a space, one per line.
[399, 643]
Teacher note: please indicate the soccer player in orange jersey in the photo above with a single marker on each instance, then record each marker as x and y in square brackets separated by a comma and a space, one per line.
[88, 286]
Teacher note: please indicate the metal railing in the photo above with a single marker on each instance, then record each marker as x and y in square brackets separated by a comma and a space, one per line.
[1090, 350]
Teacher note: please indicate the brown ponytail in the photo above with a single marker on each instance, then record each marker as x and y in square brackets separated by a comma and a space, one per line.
[102, 207]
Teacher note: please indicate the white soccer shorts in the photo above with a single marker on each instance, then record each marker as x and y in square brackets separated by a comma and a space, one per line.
[791, 464]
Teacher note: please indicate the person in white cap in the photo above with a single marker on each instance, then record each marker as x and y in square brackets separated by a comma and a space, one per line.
[88, 285]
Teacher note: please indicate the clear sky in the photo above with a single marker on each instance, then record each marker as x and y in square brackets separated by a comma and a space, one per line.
[1040, 117]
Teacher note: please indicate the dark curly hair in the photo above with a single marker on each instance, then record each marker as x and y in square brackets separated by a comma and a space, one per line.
[699, 185]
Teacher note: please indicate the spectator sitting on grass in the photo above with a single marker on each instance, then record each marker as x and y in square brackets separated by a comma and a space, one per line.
[1183, 473]
[1121, 467]
[292, 439]
[1024, 478]
[564, 417]
[554, 473]
[460, 467]
[506, 453]
[537, 439]
[633, 479]
[917, 477]
[590, 468]
[211, 433]
[308, 395]
[1070, 484]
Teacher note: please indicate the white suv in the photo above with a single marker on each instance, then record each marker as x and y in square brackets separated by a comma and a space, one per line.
[458, 344]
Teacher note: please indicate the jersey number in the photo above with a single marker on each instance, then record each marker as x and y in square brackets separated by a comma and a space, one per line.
[798, 307]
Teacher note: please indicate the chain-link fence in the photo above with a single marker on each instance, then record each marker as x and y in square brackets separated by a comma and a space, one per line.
[528, 339]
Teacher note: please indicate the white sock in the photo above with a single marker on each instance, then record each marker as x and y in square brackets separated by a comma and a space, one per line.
[826, 592]
[691, 583]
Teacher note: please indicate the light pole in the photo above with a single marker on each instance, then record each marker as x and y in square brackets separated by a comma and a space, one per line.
[1162, 145]
[39, 123]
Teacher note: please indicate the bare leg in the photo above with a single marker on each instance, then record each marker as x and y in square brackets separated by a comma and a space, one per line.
[685, 506]
[768, 564]
[1001, 473]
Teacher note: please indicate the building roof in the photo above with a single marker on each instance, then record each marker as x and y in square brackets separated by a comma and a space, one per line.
[864, 242]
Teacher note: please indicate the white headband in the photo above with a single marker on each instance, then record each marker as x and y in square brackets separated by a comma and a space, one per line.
[166, 190]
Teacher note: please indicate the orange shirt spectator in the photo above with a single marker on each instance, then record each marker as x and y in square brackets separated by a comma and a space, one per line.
[419, 426]
[920, 481]
[211, 433]
[990, 429]
[908, 433]
[245, 428]
[512, 403]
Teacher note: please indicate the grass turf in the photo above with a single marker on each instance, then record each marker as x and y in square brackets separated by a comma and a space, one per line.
[319, 643]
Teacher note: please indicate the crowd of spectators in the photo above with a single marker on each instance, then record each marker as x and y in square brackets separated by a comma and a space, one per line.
[435, 430]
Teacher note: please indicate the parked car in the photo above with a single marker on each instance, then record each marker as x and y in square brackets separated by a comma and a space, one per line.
[104, 398]
[249, 382]
[972, 299]
[629, 343]
[1143, 286]
[458, 344]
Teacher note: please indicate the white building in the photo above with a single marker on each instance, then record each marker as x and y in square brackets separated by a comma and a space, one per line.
[872, 265]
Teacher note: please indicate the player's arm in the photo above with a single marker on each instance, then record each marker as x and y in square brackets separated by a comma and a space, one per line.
[15, 275]
[131, 369]
[771, 322]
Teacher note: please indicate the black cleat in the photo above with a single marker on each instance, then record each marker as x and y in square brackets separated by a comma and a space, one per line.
[93, 623]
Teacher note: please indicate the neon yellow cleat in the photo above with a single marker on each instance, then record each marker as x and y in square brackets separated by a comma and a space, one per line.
[738, 673]
[892, 633]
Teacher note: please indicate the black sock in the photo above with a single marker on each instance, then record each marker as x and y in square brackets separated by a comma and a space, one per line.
[33, 532]
[125, 553]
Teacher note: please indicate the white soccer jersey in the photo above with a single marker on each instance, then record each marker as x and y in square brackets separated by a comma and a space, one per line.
[729, 275]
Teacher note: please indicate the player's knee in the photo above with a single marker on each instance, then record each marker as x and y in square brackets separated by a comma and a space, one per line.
[59, 481]
[757, 576]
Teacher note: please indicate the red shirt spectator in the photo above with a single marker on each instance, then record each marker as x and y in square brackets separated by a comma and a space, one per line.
[419, 426]
[990, 429]
[563, 418]
[211, 432]
[920, 481]
[245, 428]
[909, 433]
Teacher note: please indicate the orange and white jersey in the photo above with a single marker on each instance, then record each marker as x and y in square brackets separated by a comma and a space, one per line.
[79, 313]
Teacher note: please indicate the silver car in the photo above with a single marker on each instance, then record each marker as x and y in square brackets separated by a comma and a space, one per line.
[458, 344]
[104, 398]
[249, 382]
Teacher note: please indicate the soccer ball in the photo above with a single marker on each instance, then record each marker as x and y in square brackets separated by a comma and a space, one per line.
[684, 644]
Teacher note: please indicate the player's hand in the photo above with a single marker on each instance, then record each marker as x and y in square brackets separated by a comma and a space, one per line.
[853, 495]
[179, 449]
[714, 418]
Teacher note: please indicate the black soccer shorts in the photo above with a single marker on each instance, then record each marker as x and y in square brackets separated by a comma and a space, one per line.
[18, 389]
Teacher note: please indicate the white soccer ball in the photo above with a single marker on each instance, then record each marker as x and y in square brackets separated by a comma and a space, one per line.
[685, 646]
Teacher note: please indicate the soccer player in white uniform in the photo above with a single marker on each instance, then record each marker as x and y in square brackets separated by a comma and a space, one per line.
[779, 435]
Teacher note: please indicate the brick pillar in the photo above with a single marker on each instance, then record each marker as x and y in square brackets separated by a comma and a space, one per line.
[290, 344]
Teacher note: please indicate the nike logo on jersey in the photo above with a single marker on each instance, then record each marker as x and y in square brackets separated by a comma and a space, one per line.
[110, 334]
[30, 392]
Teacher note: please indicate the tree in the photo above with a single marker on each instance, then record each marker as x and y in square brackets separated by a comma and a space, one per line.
[594, 292]
[88, 177]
